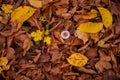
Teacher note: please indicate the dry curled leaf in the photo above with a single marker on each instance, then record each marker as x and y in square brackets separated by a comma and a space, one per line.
[81, 35]
[85, 70]
[77, 59]
[35, 3]
[103, 63]
[90, 27]
[90, 15]
[106, 16]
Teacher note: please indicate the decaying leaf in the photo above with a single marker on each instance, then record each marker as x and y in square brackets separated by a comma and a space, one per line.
[35, 3]
[103, 63]
[106, 16]
[81, 35]
[7, 8]
[90, 15]
[77, 59]
[10, 53]
[90, 27]
[21, 14]
[85, 70]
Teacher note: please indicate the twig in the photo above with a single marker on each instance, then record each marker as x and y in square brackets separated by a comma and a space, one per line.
[54, 27]
[85, 46]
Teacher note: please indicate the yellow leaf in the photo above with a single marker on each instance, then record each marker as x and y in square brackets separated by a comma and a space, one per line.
[7, 8]
[37, 35]
[1, 70]
[47, 40]
[21, 14]
[106, 16]
[77, 59]
[3, 61]
[7, 67]
[94, 36]
[90, 27]
[0, 18]
[101, 43]
[35, 3]
[81, 35]
[91, 14]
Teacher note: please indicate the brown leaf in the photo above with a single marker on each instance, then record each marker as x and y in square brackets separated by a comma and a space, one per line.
[71, 74]
[26, 45]
[110, 75]
[58, 36]
[55, 70]
[44, 58]
[2, 42]
[56, 56]
[91, 53]
[10, 53]
[114, 61]
[85, 70]
[22, 78]
[102, 65]
[35, 59]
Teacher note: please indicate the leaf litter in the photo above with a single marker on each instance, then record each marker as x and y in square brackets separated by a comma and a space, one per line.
[33, 46]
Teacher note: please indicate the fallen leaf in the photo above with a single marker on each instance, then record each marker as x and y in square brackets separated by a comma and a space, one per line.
[106, 16]
[0, 18]
[104, 62]
[94, 36]
[102, 65]
[91, 53]
[85, 70]
[21, 14]
[90, 15]
[90, 27]
[10, 53]
[113, 61]
[1, 70]
[77, 59]
[35, 3]
[55, 71]
[81, 35]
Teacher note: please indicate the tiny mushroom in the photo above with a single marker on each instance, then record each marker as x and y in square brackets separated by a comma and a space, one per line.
[65, 34]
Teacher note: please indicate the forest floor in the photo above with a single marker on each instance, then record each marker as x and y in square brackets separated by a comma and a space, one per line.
[59, 40]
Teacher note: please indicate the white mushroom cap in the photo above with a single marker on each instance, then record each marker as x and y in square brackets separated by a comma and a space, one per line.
[65, 34]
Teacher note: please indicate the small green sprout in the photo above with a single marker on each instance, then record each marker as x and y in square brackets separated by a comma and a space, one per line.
[25, 28]
[47, 32]
[47, 26]
[101, 43]
[42, 18]
[31, 43]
